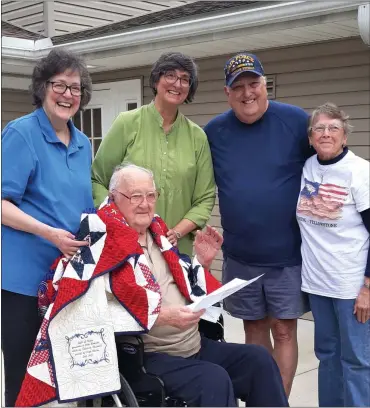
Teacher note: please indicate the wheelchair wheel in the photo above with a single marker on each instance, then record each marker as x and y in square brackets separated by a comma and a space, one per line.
[126, 398]
[126, 395]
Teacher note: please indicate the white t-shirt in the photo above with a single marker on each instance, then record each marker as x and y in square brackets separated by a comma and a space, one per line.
[335, 241]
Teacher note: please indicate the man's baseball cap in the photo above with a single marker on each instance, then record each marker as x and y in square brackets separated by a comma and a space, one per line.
[239, 63]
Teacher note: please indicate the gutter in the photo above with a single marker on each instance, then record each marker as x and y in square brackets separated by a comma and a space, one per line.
[292, 10]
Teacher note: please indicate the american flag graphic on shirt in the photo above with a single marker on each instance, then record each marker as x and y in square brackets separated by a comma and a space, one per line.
[322, 201]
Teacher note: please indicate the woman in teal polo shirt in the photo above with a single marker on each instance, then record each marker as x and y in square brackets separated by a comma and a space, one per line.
[45, 187]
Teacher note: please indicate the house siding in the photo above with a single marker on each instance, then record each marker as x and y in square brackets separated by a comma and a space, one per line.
[14, 104]
[307, 76]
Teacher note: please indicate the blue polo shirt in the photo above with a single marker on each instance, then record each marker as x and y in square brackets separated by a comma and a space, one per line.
[48, 181]
[258, 171]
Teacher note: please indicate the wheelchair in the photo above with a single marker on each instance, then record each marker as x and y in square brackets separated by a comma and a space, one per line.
[140, 388]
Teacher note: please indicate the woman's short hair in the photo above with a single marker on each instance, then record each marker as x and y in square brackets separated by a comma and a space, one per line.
[169, 62]
[332, 111]
[57, 62]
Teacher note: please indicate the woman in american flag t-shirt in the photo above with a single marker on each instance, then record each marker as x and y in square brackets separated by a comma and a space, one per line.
[334, 217]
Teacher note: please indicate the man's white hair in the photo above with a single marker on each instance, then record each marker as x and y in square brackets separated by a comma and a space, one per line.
[123, 170]
[263, 79]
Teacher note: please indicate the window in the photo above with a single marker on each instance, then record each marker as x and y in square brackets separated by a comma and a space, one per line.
[270, 84]
[131, 105]
[90, 122]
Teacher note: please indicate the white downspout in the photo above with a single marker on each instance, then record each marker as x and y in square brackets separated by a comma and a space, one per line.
[363, 19]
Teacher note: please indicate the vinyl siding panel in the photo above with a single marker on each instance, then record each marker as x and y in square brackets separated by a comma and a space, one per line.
[14, 104]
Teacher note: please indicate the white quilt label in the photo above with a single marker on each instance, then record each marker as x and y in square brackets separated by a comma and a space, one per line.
[88, 348]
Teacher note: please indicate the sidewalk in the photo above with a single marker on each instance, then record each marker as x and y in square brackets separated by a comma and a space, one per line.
[304, 391]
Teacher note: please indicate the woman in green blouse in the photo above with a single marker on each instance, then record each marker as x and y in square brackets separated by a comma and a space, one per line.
[157, 136]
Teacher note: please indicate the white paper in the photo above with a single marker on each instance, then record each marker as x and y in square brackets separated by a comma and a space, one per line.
[221, 293]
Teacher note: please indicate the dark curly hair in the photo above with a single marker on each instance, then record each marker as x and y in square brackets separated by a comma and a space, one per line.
[169, 62]
[57, 62]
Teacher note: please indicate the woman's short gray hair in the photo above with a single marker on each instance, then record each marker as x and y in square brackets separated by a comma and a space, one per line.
[122, 170]
[332, 111]
[169, 62]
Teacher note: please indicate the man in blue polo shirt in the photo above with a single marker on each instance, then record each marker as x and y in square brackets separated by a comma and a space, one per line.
[258, 149]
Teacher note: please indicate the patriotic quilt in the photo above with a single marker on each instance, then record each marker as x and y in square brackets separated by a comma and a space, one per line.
[106, 288]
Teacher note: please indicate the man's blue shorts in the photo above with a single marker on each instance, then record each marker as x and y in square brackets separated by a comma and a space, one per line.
[277, 294]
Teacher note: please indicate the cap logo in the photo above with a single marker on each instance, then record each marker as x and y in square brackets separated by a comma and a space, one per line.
[240, 62]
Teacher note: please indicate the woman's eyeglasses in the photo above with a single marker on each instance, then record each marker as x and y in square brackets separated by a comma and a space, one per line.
[333, 129]
[61, 88]
[171, 78]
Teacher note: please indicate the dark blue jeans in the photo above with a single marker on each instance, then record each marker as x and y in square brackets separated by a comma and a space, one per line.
[342, 345]
[220, 373]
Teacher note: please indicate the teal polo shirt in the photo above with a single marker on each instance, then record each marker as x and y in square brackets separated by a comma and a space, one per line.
[48, 181]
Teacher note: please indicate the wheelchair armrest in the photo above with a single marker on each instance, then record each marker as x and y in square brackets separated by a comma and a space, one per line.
[131, 358]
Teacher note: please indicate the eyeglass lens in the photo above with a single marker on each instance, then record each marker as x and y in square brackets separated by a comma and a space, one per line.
[171, 78]
[61, 88]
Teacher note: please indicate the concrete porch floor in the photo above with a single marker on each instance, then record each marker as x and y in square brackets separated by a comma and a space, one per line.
[304, 390]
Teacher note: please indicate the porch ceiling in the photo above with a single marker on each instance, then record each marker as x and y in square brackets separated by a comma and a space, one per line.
[315, 29]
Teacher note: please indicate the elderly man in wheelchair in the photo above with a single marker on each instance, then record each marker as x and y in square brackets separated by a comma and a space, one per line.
[131, 276]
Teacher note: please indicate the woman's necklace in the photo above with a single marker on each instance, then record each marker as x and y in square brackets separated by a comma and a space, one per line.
[322, 174]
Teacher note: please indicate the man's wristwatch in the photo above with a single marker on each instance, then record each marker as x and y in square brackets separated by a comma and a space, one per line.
[178, 235]
[367, 285]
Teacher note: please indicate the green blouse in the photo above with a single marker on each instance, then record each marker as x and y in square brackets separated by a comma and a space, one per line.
[180, 160]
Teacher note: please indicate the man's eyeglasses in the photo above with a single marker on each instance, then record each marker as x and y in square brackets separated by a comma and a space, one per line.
[171, 78]
[333, 129]
[61, 88]
[151, 197]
